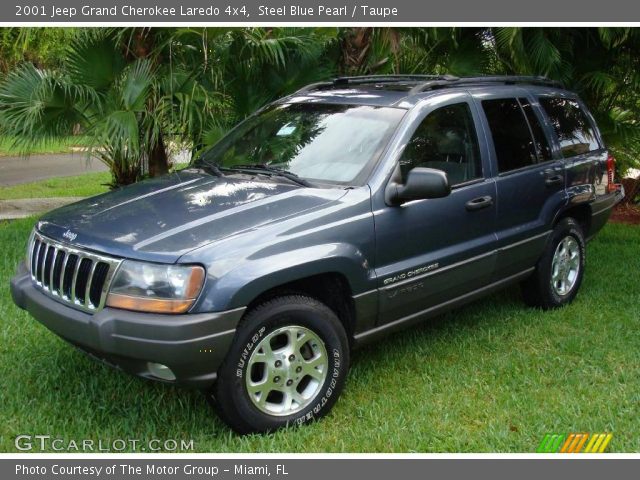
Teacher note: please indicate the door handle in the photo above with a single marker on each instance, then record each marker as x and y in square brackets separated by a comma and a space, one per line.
[479, 203]
[554, 179]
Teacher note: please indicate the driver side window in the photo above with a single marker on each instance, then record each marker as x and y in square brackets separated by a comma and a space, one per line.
[445, 140]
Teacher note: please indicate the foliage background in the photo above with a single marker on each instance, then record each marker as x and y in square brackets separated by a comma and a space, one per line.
[138, 93]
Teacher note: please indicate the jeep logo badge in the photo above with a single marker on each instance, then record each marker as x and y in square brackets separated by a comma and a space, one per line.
[69, 235]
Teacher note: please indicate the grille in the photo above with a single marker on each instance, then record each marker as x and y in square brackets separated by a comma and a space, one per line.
[73, 276]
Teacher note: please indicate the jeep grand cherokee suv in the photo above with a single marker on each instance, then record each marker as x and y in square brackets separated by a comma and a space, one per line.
[330, 218]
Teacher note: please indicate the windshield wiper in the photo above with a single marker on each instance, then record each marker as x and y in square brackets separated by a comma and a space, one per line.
[207, 165]
[274, 171]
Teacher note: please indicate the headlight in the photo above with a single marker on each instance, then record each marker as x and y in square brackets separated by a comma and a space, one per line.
[149, 287]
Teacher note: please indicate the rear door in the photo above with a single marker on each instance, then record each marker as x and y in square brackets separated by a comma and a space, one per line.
[530, 180]
[579, 144]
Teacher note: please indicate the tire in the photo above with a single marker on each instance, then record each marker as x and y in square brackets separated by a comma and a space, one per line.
[296, 351]
[542, 289]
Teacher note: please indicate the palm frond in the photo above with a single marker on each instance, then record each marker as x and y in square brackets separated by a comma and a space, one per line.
[93, 60]
[36, 106]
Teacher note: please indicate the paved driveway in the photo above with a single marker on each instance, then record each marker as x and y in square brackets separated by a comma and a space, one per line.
[14, 170]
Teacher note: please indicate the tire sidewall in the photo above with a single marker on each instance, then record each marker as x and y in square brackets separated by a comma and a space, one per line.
[567, 227]
[317, 318]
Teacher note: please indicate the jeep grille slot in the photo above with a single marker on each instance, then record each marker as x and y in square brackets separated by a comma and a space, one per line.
[71, 275]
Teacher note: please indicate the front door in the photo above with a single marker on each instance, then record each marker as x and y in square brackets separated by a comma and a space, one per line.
[433, 250]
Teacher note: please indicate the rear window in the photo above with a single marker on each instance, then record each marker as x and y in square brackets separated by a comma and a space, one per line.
[575, 132]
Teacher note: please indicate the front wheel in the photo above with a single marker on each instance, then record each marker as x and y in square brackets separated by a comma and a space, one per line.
[558, 274]
[287, 366]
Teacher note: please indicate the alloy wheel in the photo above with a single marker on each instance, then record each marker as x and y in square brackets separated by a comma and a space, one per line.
[286, 370]
[565, 266]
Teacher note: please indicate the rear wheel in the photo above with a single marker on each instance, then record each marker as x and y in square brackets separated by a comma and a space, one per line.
[558, 274]
[287, 366]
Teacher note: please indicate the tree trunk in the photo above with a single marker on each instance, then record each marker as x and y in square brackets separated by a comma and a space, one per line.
[158, 160]
[144, 42]
[355, 49]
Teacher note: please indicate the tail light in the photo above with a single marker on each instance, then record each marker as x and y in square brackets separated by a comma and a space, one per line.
[611, 171]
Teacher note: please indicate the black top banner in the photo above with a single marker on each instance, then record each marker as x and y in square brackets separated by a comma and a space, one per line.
[103, 12]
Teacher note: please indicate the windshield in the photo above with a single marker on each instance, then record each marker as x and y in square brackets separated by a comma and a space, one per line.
[317, 142]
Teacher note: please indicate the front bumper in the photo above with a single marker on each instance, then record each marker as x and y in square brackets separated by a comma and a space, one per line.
[192, 345]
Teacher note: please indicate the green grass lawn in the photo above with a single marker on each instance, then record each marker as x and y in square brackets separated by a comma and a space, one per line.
[84, 185]
[7, 147]
[492, 377]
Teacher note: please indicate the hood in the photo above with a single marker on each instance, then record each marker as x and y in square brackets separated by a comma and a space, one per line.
[163, 218]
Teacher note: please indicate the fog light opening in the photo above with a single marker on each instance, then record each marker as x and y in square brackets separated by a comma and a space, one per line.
[161, 371]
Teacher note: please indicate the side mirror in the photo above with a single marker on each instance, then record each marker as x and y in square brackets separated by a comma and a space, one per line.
[421, 183]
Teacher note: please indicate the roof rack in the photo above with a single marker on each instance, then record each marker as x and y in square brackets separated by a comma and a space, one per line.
[483, 80]
[389, 78]
[362, 79]
[432, 82]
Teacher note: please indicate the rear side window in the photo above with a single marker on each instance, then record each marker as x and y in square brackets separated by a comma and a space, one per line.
[511, 135]
[574, 130]
[540, 139]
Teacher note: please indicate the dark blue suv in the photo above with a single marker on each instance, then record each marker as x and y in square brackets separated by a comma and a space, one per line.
[330, 218]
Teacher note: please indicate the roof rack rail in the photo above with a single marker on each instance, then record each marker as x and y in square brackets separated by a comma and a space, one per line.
[389, 78]
[361, 79]
[483, 80]
[314, 86]
[431, 82]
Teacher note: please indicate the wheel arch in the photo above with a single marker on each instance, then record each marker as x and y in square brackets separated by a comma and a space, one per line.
[580, 213]
[330, 288]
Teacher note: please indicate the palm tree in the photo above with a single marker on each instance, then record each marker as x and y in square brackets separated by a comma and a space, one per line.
[249, 67]
[375, 50]
[124, 100]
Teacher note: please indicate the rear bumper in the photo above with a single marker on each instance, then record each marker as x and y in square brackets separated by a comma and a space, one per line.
[601, 209]
[192, 345]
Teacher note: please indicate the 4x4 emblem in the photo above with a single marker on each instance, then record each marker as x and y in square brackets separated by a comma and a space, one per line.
[69, 235]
